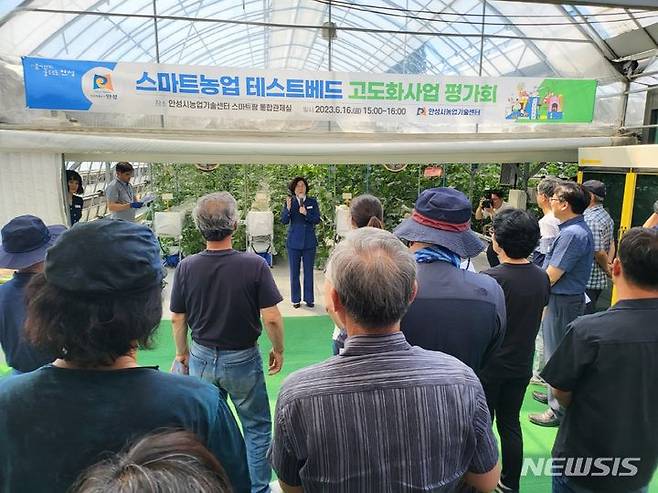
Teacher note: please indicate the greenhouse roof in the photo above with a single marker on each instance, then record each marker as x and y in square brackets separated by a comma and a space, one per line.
[617, 46]
[462, 37]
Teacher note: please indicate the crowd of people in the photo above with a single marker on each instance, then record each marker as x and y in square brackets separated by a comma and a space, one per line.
[427, 354]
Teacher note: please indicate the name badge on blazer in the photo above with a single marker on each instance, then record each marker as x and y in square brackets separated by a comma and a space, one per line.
[310, 207]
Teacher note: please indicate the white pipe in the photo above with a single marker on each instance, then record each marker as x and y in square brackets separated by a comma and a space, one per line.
[326, 149]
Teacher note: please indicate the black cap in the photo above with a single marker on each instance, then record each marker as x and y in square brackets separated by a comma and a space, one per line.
[596, 187]
[105, 256]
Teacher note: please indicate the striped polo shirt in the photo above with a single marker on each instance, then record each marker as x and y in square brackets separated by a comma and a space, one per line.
[383, 416]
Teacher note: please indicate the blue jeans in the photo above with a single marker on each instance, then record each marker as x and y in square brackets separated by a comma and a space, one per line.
[562, 484]
[562, 310]
[239, 375]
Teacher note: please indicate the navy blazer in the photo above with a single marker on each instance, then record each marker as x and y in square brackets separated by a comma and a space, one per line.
[301, 232]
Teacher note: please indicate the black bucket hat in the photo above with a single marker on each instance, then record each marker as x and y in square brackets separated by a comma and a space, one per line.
[105, 256]
[25, 240]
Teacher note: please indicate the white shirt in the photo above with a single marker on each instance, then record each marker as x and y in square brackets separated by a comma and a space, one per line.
[548, 229]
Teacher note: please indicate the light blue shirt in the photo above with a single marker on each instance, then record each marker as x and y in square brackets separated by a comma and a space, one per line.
[572, 252]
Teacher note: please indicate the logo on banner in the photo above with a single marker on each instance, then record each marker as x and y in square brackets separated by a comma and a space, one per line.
[103, 82]
[98, 86]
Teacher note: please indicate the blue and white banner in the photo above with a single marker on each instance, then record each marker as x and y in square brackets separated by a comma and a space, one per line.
[156, 89]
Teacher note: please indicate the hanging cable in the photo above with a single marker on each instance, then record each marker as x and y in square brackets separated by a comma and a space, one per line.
[378, 11]
[310, 26]
[347, 4]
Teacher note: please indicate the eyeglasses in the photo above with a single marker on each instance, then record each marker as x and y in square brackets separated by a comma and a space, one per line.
[558, 199]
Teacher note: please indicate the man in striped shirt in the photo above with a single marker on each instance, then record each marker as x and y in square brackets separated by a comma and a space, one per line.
[383, 416]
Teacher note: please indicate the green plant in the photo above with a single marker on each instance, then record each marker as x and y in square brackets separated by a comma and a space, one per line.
[397, 191]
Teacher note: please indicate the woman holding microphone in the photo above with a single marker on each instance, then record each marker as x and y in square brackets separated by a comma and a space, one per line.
[302, 213]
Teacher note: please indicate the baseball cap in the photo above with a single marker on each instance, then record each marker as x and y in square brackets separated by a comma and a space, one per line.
[596, 187]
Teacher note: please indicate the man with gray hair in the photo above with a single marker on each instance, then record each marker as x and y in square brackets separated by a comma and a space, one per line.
[219, 294]
[549, 228]
[382, 415]
[548, 224]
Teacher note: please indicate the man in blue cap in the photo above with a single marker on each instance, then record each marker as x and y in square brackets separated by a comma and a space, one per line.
[25, 240]
[458, 312]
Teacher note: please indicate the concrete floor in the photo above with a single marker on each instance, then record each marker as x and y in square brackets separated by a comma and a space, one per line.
[281, 275]
[282, 279]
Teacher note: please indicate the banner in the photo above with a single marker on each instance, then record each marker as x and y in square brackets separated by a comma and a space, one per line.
[156, 89]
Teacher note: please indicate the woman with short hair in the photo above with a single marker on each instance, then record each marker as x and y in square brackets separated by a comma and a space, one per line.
[303, 214]
[74, 190]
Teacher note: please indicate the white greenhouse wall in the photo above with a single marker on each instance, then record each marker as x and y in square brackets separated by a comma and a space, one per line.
[31, 183]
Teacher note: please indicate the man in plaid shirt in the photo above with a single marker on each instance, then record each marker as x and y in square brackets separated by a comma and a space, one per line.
[602, 226]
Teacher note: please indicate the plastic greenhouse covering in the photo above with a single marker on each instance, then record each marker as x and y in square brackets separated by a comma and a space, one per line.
[488, 38]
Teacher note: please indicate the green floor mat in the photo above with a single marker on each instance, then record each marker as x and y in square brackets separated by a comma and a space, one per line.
[308, 341]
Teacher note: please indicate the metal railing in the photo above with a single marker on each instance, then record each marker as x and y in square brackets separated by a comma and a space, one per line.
[96, 176]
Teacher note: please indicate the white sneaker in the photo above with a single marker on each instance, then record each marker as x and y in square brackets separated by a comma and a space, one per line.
[501, 488]
[537, 380]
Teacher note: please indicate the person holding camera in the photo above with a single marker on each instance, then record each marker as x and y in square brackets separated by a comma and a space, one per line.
[490, 205]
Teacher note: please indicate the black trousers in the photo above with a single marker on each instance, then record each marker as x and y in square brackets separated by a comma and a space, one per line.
[492, 257]
[594, 295]
[504, 398]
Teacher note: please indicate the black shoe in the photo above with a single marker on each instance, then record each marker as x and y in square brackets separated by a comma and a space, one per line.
[547, 418]
[296, 305]
[310, 305]
[540, 396]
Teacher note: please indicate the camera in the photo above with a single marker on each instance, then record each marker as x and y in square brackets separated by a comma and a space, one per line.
[486, 204]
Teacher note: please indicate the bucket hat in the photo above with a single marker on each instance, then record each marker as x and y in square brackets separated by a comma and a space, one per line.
[25, 240]
[442, 216]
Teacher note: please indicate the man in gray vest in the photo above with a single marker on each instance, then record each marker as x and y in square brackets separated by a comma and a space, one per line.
[120, 194]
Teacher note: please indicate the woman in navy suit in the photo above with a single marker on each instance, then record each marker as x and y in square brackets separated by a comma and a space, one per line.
[302, 213]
